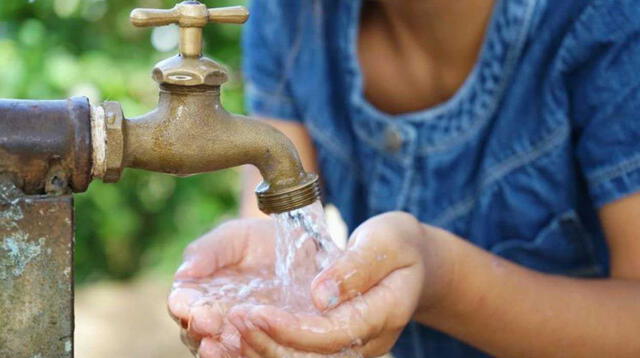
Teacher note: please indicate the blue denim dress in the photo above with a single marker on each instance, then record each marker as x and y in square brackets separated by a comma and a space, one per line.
[545, 130]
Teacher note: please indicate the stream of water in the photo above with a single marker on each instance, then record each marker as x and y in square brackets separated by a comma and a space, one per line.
[303, 248]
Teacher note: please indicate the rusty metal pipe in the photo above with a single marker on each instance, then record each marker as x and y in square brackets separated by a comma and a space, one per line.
[45, 146]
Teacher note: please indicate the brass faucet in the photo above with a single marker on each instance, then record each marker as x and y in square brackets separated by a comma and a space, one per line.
[190, 132]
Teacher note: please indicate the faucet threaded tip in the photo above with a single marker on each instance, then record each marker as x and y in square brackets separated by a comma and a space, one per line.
[291, 198]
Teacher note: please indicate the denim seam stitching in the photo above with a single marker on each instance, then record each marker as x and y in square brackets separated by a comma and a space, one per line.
[365, 137]
[566, 56]
[614, 171]
[503, 169]
[509, 68]
[521, 159]
[511, 243]
[624, 98]
[329, 144]
[557, 221]
[289, 60]
[252, 88]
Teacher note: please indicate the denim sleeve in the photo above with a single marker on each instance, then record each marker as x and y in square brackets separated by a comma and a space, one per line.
[605, 98]
[266, 47]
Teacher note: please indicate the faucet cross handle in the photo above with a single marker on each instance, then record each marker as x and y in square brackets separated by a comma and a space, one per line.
[191, 16]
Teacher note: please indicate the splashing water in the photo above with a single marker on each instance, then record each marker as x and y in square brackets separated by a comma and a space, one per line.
[303, 248]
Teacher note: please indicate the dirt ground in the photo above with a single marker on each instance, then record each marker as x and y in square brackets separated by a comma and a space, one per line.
[126, 320]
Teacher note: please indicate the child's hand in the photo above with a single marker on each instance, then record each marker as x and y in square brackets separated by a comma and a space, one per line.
[233, 251]
[369, 295]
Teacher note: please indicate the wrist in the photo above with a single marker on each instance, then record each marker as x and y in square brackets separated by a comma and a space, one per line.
[440, 251]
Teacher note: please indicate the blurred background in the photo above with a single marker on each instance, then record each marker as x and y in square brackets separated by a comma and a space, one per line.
[130, 236]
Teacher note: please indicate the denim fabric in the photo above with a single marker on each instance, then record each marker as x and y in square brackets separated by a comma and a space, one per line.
[545, 130]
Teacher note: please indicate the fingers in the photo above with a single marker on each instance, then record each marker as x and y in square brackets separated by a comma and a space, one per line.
[377, 249]
[248, 351]
[369, 291]
[207, 319]
[202, 318]
[257, 344]
[379, 346]
[226, 344]
[385, 308]
[303, 332]
[210, 348]
[219, 248]
[180, 302]
[230, 338]
[229, 244]
[264, 346]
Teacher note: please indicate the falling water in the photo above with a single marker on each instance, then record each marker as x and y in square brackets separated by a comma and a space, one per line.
[303, 248]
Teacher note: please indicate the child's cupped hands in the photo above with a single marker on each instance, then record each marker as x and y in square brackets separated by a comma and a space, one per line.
[233, 254]
[366, 297]
[392, 269]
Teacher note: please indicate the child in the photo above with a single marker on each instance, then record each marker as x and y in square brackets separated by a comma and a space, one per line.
[508, 132]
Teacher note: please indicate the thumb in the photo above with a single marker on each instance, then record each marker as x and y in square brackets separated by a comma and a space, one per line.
[376, 251]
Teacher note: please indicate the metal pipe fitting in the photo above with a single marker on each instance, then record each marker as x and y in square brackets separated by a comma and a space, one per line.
[108, 141]
[45, 146]
[189, 133]
[278, 200]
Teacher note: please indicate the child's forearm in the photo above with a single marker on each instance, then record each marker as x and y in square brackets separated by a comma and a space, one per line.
[510, 311]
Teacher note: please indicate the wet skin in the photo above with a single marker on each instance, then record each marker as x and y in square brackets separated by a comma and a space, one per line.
[354, 299]
[237, 251]
[436, 278]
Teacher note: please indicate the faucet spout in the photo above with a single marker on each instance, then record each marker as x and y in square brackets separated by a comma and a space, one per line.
[190, 132]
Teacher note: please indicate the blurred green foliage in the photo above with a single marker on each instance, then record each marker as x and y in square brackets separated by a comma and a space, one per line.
[51, 49]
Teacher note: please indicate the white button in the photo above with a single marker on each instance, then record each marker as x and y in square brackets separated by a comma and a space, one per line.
[393, 139]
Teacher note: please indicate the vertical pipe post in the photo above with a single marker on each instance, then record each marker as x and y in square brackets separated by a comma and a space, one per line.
[36, 274]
